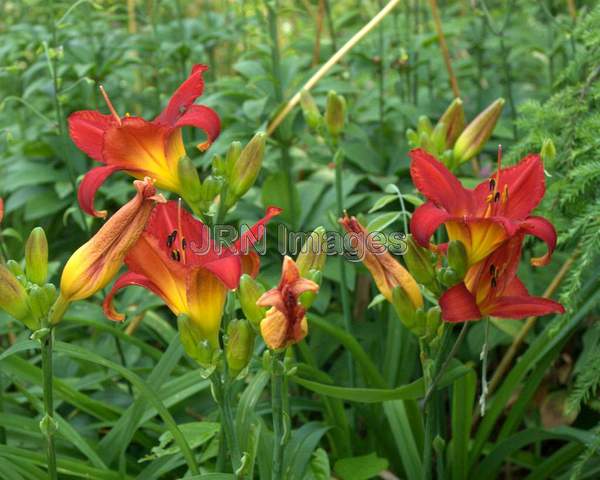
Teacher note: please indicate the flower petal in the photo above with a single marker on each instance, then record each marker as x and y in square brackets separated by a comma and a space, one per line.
[544, 230]
[425, 221]
[90, 184]
[87, 128]
[125, 280]
[437, 183]
[458, 305]
[255, 233]
[184, 96]
[525, 306]
[205, 119]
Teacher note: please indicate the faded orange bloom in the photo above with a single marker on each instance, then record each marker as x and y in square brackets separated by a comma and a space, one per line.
[385, 269]
[285, 322]
[97, 262]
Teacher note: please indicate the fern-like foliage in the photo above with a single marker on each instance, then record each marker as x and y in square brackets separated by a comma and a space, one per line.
[571, 118]
[591, 450]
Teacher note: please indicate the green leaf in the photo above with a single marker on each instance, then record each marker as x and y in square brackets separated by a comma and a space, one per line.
[196, 434]
[397, 415]
[360, 468]
[319, 465]
[275, 191]
[379, 223]
[301, 448]
[463, 397]
[382, 202]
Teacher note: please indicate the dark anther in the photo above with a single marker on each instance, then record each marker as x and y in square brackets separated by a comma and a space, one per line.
[494, 283]
[492, 270]
[497, 197]
[175, 255]
[171, 238]
[492, 184]
[183, 243]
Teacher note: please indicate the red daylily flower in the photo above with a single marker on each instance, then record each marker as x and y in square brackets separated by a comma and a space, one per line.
[485, 217]
[492, 288]
[285, 322]
[1, 210]
[177, 260]
[142, 148]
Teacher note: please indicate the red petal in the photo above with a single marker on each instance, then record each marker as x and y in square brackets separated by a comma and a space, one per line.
[544, 230]
[204, 118]
[425, 221]
[256, 232]
[184, 96]
[272, 298]
[458, 305]
[525, 306]
[438, 183]
[515, 288]
[90, 184]
[125, 280]
[1, 210]
[87, 129]
[227, 269]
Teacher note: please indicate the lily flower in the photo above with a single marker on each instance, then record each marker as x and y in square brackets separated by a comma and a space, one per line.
[285, 322]
[1, 210]
[385, 269]
[485, 217]
[140, 147]
[176, 259]
[492, 288]
[97, 262]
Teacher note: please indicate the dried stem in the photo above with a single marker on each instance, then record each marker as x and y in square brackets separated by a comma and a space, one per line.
[435, 13]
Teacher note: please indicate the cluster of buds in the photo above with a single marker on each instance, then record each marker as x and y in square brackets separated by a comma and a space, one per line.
[450, 140]
[334, 119]
[24, 293]
[231, 176]
[279, 314]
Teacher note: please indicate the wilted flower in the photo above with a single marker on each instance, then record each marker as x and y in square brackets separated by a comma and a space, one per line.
[140, 147]
[285, 322]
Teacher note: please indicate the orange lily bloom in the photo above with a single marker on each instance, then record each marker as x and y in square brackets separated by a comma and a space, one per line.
[385, 269]
[95, 264]
[285, 322]
[140, 147]
[176, 259]
[485, 217]
[492, 288]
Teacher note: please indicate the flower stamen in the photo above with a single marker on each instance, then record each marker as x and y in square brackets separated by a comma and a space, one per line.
[110, 105]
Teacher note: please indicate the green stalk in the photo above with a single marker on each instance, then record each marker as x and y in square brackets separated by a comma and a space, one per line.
[222, 397]
[279, 409]
[48, 419]
[339, 164]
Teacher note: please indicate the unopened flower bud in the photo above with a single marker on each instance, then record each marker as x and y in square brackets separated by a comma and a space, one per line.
[472, 140]
[13, 298]
[458, 258]
[335, 114]
[249, 292]
[314, 252]
[38, 302]
[239, 347]
[548, 152]
[404, 307]
[50, 292]
[190, 181]
[211, 186]
[437, 139]
[15, 268]
[247, 166]
[449, 277]
[307, 298]
[311, 112]
[418, 261]
[454, 119]
[433, 321]
[424, 126]
[36, 256]
[195, 344]
[412, 138]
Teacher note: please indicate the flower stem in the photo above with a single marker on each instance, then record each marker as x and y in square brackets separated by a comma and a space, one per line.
[339, 165]
[279, 411]
[48, 420]
[222, 397]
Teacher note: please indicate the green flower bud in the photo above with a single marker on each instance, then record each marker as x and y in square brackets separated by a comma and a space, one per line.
[548, 152]
[311, 112]
[239, 346]
[472, 140]
[307, 298]
[13, 298]
[249, 292]
[233, 154]
[195, 345]
[438, 138]
[36, 256]
[420, 326]
[15, 268]
[38, 302]
[50, 292]
[335, 114]
[418, 261]
[404, 307]
[458, 258]
[424, 126]
[314, 252]
[247, 166]
[432, 321]
[190, 181]
[412, 138]
[454, 119]
[449, 277]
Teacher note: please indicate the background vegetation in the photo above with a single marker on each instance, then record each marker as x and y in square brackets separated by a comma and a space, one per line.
[542, 57]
